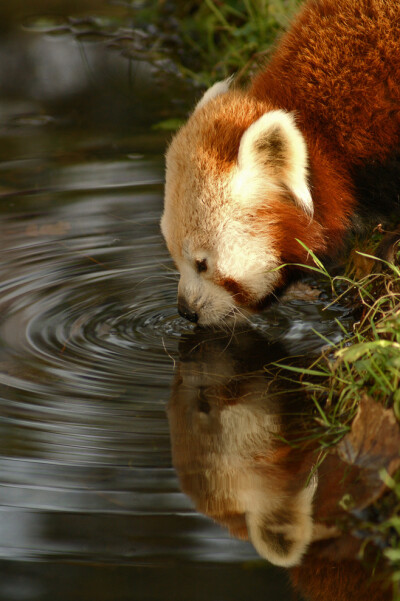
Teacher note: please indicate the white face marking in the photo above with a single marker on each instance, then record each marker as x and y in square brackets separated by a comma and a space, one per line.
[238, 255]
[248, 259]
[233, 252]
[212, 303]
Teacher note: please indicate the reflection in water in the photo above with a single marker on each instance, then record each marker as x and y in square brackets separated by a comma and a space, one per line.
[225, 427]
[231, 432]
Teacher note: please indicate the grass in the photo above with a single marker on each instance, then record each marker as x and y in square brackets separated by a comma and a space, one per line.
[365, 362]
[368, 359]
[230, 37]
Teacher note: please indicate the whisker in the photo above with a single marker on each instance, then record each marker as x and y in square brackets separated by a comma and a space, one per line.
[242, 315]
[170, 356]
[168, 268]
[231, 337]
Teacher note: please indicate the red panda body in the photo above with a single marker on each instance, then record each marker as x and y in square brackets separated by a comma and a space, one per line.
[310, 151]
[338, 69]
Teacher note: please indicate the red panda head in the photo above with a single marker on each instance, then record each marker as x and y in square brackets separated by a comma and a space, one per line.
[236, 199]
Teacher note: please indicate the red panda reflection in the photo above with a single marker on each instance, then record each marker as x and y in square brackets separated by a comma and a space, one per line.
[230, 424]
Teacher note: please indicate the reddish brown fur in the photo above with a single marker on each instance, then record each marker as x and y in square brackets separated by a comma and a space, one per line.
[332, 190]
[220, 138]
[316, 69]
[213, 144]
[241, 296]
[324, 580]
[348, 114]
[286, 224]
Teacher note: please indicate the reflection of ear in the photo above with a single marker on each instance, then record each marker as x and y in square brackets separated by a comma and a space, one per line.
[273, 145]
[283, 535]
[221, 87]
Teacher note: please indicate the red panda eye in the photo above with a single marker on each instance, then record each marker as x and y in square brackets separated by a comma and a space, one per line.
[201, 265]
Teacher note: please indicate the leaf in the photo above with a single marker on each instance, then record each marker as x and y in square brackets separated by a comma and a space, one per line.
[390, 265]
[392, 554]
[301, 370]
[355, 352]
[168, 124]
[394, 523]
[314, 256]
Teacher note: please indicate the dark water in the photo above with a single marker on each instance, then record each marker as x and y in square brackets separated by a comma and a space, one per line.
[90, 505]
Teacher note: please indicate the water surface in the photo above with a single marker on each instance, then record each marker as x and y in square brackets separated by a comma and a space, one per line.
[90, 505]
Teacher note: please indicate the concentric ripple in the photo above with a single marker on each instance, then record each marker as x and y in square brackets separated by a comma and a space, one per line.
[88, 326]
[88, 292]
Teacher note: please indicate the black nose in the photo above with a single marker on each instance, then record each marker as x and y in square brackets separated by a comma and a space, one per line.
[185, 311]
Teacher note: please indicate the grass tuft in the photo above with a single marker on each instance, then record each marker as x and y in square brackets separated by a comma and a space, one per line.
[366, 363]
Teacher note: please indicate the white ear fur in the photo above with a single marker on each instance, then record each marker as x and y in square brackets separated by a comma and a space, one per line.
[282, 537]
[221, 87]
[274, 145]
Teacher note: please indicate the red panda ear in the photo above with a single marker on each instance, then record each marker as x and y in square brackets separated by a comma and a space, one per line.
[282, 534]
[273, 148]
[221, 87]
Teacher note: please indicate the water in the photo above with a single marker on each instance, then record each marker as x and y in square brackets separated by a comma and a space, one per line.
[90, 346]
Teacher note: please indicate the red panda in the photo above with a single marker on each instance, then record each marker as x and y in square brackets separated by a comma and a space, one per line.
[310, 151]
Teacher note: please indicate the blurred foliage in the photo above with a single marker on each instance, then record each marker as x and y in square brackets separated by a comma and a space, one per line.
[199, 41]
[12, 14]
[219, 38]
